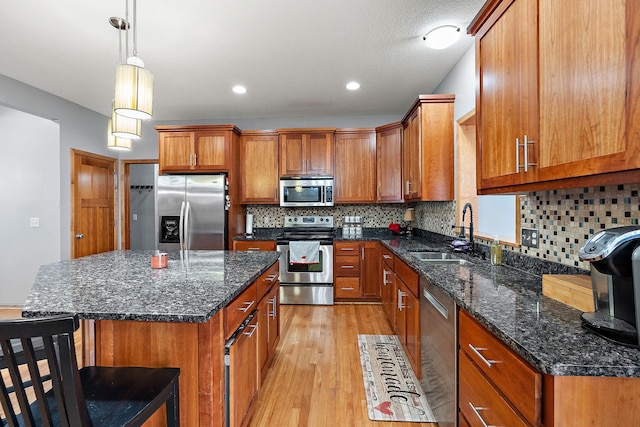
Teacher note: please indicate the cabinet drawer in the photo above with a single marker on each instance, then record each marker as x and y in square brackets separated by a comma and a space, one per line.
[267, 280]
[347, 287]
[388, 257]
[480, 403]
[347, 266]
[514, 377]
[408, 276]
[239, 309]
[254, 245]
[347, 248]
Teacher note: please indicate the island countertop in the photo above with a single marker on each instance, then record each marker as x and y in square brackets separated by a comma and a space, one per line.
[121, 285]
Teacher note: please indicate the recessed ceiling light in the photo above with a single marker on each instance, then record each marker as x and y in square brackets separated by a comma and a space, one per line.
[442, 37]
[239, 89]
[353, 85]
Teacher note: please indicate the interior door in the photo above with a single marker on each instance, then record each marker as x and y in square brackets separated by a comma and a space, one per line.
[93, 217]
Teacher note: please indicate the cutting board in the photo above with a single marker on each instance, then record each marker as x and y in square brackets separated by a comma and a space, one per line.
[571, 289]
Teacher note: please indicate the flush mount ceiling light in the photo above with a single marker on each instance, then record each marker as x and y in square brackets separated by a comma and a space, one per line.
[353, 85]
[115, 143]
[442, 37]
[239, 89]
[134, 84]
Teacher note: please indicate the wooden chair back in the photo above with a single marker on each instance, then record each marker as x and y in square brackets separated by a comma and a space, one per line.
[49, 372]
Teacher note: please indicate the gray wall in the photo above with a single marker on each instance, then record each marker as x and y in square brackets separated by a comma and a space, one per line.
[142, 205]
[80, 128]
[29, 189]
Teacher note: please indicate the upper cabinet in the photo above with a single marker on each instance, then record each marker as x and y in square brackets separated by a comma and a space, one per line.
[259, 167]
[355, 184]
[558, 101]
[306, 151]
[427, 149]
[195, 148]
[389, 163]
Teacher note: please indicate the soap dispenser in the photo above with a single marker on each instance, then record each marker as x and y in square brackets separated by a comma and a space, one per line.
[496, 252]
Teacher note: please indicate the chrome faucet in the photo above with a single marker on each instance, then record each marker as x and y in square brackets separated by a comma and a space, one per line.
[462, 233]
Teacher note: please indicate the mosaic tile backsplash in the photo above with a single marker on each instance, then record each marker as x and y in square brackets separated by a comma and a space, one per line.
[565, 218]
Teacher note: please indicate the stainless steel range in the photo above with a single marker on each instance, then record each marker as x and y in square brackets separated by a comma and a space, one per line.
[302, 282]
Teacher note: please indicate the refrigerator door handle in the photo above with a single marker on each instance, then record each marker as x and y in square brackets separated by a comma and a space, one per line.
[181, 226]
[187, 226]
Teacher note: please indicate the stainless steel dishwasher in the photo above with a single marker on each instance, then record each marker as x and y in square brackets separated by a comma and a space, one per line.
[439, 352]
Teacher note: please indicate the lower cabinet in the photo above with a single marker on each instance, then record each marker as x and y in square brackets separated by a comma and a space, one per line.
[254, 245]
[401, 304]
[269, 330]
[497, 387]
[356, 269]
[242, 374]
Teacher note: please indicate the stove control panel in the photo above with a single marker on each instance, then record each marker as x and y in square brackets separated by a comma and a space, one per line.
[308, 221]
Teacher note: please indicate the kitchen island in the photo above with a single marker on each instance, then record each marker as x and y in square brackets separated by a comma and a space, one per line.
[156, 317]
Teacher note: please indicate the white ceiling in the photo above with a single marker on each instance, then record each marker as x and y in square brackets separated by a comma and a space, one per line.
[294, 56]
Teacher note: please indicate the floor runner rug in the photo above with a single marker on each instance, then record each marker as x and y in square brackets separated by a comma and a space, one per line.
[392, 390]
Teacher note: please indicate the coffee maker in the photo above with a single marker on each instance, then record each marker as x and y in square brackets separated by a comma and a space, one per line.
[614, 255]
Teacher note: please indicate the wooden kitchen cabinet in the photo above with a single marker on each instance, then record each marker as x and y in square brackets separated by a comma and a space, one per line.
[306, 152]
[254, 245]
[258, 170]
[408, 314]
[268, 317]
[584, 130]
[387, 286]
[487, 372]
[356, 271]
[243, 374]
[206, 148]
[355, 184]
[389, 163]
[427, 149]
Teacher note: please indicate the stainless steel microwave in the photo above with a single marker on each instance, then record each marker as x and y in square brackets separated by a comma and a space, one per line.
[306, 191]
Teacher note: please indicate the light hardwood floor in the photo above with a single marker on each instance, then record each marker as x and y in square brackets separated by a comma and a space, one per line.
[316, 379]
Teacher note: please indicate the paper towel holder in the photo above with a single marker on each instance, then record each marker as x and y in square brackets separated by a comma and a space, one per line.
[249, 227]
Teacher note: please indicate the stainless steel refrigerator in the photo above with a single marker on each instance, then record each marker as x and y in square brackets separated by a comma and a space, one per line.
[191, 212]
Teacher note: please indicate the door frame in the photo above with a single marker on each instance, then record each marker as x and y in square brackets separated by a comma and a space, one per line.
[125, 199]
[79, 153]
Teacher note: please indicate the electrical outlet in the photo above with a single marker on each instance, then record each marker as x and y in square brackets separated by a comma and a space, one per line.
[266, 220]
[34, 222]
[530, 237]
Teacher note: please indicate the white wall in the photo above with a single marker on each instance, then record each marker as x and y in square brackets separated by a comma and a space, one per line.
[29, 188]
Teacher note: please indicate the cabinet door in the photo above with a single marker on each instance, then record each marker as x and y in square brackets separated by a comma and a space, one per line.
[355, 184]
[274, 319]
[292, 154]
[387, 294]
[583, 85]
[263, 339]
[389, 165]
[411, 155]
[401, 310]
[259, 169]
[212, 150]
[319, 154]
[507, 98]
[175, 151]
[370, 270]
[412, 330]
[243, 367]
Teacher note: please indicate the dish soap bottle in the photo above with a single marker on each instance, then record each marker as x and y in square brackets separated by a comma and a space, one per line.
[496, 252]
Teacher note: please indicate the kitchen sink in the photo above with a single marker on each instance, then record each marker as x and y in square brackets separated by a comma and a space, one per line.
[438, 258]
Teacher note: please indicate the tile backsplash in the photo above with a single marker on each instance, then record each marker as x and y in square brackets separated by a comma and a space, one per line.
[565, 218]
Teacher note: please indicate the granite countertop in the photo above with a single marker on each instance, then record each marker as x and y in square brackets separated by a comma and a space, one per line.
[121, 285]
[509, 302]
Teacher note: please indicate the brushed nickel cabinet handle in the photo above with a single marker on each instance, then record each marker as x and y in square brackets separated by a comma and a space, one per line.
[476, 410]
[486, 361]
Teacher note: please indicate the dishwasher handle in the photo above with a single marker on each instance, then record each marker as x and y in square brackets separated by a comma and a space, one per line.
[435, 303]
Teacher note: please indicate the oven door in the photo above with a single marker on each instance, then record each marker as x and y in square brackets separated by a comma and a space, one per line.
[320, 273]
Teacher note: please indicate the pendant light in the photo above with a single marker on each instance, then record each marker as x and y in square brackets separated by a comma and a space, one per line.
[115, 143]
[134, 84]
